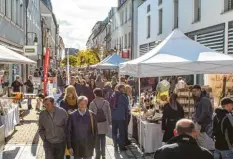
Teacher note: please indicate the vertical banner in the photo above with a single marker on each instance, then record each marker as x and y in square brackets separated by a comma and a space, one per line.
[68, 68]
[46, 67]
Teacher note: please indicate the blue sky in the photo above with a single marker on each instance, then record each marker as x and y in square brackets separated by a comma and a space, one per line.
[77, 17]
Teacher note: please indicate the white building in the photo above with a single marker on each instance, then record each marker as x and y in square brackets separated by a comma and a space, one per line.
[209, 22]
[121, 28]
[211, 26]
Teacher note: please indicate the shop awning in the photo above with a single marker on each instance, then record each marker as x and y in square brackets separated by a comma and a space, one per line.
[8, 56]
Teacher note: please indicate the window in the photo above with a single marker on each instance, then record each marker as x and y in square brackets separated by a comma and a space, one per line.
[148, 26]
[21, 16]
[228, 5]
[148, 8]
[126, 14]
[122, 42]
[197, 10]
[160, 2]
[8, 8]
[126, 41]
[17, 12]
[119, 45]
[130, 11]
[160, 21]
[2, 6]
[13, 11]
[129, 38]
[176, 13]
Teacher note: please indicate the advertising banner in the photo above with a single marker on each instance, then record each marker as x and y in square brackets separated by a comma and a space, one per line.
[46, 67]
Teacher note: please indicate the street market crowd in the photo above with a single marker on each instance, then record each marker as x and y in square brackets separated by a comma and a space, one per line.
[78, 121]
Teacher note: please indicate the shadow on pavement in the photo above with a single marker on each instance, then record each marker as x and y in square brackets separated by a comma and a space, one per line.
[35, 142]
[10, 154]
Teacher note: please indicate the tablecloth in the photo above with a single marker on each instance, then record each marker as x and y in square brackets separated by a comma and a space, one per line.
[151, 136]
[10, 120]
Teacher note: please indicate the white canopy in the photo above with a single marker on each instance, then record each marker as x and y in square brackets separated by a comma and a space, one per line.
[8, 56]
[178, 55]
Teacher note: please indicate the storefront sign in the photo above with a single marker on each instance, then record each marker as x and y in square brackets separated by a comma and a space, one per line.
[30, 50]
[125, 54]
[46, 67]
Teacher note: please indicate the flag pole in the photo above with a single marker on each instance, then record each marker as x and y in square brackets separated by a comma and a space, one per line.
[68, 67]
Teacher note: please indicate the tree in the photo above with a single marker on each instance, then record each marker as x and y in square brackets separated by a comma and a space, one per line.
[73, 60]
[87, 57]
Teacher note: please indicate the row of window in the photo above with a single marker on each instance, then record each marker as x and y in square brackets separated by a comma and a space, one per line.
[13, 10]
[228, 5]
[123, 42]
[121, 17]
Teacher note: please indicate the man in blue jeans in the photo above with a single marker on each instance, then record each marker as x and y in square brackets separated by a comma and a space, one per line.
[119, 113]
[223, 130]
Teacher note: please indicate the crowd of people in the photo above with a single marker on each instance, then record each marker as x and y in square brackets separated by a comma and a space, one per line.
[78, 122]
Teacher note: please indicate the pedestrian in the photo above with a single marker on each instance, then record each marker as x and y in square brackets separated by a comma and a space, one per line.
[172, 112]
[203, 113]
[62, 95]
[60, 82]
[128, 92]
[99, 82]
[52, 126]
[223, 130]
[29, 89]
[76, 85]
[102, 110]
[107, 91]
[16, 85]
[70, 104]
[5, 82]
[81, 131]
[119, 110]
[114, 82]
[184, 144]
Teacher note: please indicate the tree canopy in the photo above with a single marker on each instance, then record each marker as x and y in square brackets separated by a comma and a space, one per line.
[73, 61]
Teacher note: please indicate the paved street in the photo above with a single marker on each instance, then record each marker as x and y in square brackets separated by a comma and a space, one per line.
[25, 143]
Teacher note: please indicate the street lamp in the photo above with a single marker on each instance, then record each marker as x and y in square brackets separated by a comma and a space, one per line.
[35, 38]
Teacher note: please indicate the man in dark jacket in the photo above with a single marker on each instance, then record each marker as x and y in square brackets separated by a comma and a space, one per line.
[119, 113]
[223, 130]
[203, 114]
[184, 145]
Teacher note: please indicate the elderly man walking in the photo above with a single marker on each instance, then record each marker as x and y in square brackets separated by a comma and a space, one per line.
[52, 125]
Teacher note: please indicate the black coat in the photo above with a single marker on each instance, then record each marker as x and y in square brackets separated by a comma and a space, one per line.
[182, 147]
[80, 135]
[169, 119]
[30, 87]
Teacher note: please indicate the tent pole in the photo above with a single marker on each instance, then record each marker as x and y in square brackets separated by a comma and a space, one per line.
[140, 117]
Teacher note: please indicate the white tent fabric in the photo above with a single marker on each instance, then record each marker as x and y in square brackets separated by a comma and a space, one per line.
[8, 56]
[178, 55]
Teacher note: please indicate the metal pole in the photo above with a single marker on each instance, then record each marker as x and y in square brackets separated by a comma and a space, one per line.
[140, 117]
[68, 67]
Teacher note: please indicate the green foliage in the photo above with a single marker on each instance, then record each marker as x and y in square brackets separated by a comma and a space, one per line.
[73, 60]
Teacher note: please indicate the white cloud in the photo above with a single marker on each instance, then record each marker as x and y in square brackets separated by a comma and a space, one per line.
[77, 17]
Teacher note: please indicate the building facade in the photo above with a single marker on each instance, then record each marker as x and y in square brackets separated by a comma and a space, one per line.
[211, 26]
[33, 31]
[50, 31]
[12, 32]
[121, 26]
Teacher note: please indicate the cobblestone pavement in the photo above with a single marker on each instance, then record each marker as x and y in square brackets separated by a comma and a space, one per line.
[25, 143]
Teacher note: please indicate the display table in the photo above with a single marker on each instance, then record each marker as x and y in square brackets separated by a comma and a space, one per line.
[10, 120]
[151, 134]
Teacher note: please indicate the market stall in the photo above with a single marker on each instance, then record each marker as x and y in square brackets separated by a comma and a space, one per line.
[176, 55]
[111, 62]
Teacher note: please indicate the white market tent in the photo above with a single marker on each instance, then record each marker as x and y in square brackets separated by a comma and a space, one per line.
[111, 62]
[8, 56]
[178, 55]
